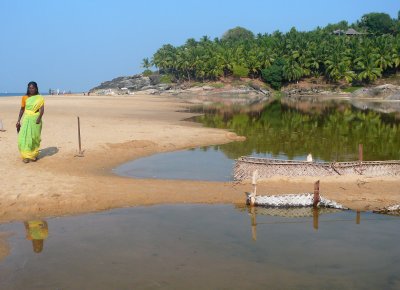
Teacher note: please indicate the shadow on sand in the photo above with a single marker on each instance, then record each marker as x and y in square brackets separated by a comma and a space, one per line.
[49, 151]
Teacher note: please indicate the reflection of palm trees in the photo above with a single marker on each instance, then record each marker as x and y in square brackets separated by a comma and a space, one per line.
[37, 232]
[329, 135]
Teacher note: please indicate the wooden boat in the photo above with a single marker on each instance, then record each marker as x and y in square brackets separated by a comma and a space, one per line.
[245, 166]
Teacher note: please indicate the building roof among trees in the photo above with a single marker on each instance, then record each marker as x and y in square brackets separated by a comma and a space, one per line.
[350, 31]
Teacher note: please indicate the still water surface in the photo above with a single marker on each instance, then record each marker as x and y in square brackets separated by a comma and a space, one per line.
[204, 247]
[205, 163]
[330, 131]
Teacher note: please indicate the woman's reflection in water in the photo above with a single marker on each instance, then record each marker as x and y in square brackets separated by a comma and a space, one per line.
[37, 232]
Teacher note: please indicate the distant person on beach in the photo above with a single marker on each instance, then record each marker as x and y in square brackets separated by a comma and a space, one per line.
[29, 134]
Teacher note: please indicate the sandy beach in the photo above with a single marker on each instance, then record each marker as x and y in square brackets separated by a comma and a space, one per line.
[119, 129]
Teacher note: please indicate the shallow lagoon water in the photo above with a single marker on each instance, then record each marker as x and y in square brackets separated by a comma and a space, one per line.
[206, 163]
[330, 131]
[196, 164]
[205, 247]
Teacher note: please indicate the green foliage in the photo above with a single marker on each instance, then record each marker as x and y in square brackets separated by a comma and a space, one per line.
[351, 89]
[338, 67]
[342, 25]
[217, 85]
[368, 68]
[146, 63]
[278, 95]
[274, 74]
[238, 34]
[377, 23]
[240, 71]
[166, 79]
[147, 73]
[362, 58]
[397, 27]
[292, 70]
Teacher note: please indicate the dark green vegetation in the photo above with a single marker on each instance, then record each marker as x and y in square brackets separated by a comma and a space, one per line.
[280, 58]
[331, 133]
[380, 23]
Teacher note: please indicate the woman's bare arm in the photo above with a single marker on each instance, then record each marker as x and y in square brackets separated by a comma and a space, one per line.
[21, 112]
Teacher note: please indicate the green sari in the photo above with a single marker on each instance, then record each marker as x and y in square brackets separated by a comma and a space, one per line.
[30, 134]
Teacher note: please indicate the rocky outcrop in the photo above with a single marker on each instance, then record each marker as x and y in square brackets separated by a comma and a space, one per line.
[152, 85]
[377, 106]
[386, 92]
[130, 85]
[381, 98]
[301, 93]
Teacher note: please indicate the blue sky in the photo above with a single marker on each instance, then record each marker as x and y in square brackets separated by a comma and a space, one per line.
[77, 44]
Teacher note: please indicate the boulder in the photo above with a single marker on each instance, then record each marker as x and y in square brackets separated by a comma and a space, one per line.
[387, 91]
[131, 83]
[128, 85]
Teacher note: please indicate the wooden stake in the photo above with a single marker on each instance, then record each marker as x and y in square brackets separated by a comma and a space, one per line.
[80, 153]
[358, 218]
[360, 157]
[1, 126]
[253, 224]
[79, 135]
[315, 218]
[317, 198]
[254, 193]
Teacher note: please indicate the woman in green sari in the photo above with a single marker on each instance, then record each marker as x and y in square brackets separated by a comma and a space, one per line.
[32, 107]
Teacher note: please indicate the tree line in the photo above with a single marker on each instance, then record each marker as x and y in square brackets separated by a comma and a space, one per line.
[280, 58]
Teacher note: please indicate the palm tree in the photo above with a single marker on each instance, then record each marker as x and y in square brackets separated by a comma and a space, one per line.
[396, 52]
[338, 67]
[146, 63]
[383, 53]
[292, 70]
[367, 67]
[315, 53]
[252, 61]
[396, 57]
[227, 57]
[165, 58]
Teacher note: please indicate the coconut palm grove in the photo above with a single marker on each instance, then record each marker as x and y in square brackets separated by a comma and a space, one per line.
[344, 53]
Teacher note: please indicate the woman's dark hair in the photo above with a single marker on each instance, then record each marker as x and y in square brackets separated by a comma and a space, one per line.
[33, 84]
